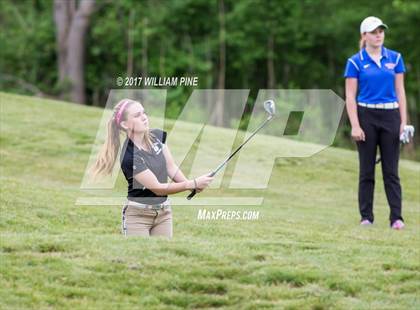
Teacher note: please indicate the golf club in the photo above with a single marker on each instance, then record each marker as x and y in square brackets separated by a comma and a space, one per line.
[407, 134]
[270, 108]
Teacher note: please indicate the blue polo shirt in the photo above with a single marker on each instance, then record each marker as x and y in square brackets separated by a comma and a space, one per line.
[376, 84]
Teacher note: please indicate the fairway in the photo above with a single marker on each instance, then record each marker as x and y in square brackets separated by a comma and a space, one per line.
[305, 251]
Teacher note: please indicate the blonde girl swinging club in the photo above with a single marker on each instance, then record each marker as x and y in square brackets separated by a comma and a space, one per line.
[146, 162]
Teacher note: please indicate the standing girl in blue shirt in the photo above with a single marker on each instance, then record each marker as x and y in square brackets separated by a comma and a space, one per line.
[376, 105]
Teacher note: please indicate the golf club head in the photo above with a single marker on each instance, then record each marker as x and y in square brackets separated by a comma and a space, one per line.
[270, 107]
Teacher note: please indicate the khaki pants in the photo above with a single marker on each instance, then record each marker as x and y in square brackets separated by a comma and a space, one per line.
[138, 221]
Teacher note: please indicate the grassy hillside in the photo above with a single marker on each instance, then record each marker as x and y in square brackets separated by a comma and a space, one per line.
[306, 251]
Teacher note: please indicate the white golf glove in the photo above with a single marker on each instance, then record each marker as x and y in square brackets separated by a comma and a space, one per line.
[407, 134]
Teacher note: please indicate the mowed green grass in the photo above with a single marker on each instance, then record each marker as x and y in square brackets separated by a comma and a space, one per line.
[306, 250]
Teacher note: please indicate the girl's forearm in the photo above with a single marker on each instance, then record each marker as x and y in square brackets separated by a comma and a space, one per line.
[403, 107]
[351, 107]
[173, 188]
[176, 174]
[402, 101]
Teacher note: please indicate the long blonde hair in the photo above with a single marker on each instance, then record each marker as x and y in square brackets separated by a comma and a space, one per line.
[362, 42]
[107, 156]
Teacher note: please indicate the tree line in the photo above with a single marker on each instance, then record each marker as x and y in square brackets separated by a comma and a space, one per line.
[75, 49]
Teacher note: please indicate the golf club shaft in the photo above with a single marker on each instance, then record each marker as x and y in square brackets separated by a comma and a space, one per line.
[192, 194]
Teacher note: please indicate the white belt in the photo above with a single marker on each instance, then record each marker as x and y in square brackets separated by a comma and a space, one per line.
[164, 205]
[387, 106]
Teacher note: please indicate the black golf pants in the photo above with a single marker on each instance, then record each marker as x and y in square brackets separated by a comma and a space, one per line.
[382, 128]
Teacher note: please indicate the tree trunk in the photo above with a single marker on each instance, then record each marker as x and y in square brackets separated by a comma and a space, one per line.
[217, 116]
[144, 59]
[190, 48]
[270, 62]
[130, 44]
[162, 59]
[210, 75]
[62, 18]
[286, 74]
[72, 25]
